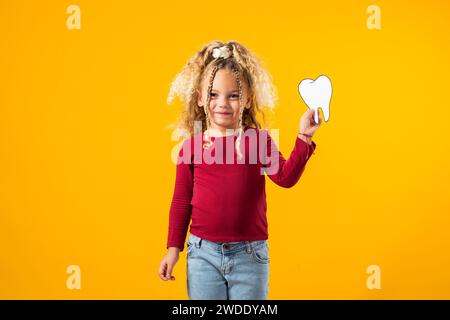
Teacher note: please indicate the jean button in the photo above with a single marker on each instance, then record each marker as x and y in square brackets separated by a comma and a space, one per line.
[226, 246]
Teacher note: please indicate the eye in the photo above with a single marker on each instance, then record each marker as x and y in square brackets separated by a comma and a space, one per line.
[213, 94]
[235, 96]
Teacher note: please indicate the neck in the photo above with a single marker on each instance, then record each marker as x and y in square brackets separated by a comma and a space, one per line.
[220, 132]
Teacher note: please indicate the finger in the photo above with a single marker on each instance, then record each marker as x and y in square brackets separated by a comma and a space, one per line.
[307, 113]
[169, 271]
[312, 118]
[162, 271]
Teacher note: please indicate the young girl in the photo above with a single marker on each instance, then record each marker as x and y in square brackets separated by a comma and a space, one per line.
[222, 188]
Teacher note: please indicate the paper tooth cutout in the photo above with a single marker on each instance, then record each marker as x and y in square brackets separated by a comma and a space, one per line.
[317, 93]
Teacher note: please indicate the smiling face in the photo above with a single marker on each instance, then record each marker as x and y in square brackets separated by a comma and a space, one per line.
[224, 103]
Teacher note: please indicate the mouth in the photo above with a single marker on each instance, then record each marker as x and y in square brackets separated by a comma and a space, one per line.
[223, 113]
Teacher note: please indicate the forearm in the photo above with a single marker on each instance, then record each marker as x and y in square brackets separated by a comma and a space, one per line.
[180, 209]
[286, 173]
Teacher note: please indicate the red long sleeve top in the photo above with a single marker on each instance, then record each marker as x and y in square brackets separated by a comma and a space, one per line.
[225, 197]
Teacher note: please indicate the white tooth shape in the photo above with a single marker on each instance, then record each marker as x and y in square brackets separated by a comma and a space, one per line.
[317, 93]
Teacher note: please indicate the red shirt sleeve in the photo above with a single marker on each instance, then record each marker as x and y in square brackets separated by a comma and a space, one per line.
[181, 208]
[286, 173]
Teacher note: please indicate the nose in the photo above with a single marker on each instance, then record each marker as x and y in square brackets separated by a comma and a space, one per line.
[222, 102]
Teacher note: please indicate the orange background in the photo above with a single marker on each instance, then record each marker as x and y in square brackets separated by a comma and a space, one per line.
[86, 176]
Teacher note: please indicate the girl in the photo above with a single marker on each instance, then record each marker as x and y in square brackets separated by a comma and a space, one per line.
[221, 188]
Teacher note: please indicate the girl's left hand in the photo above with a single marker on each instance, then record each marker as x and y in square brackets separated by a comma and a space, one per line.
[307, 124]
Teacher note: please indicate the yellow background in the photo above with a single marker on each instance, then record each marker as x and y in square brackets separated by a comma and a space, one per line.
[85, 170]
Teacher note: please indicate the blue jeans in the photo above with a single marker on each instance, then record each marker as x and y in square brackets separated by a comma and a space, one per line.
[227, 270]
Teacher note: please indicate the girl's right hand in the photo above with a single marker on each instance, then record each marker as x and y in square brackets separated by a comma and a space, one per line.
[168, 263]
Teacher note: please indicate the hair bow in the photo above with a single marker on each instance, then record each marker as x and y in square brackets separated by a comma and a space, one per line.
[221, 52]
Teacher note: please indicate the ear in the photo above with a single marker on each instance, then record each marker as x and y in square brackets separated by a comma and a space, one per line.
[199, 98]
[248, 97]
[248, 102]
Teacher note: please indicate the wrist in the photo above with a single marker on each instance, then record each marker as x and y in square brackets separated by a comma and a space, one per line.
[173, 249]
[305, 137]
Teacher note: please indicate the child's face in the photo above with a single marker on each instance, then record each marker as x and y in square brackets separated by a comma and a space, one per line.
[224, 102]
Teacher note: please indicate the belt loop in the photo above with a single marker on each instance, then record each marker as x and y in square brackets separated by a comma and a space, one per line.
[249, 247]
[196, 241]
[200, 243]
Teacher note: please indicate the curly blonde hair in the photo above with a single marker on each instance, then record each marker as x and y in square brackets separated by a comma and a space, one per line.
[245, 66]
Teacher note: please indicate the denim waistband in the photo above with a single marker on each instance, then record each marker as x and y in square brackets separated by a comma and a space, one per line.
[225, 247]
